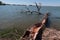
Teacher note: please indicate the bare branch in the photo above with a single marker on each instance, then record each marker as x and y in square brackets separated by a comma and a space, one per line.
[38, 7]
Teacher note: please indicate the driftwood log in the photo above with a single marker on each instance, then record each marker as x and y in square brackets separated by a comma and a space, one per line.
[34, 33]
[38, 7]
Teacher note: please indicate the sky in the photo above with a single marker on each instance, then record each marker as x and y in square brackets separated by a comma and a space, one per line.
[27, 2]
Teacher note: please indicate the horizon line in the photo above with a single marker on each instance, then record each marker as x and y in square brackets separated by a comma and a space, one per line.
[31, 4]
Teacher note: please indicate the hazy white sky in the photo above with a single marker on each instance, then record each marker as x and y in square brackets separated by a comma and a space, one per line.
[44, 2]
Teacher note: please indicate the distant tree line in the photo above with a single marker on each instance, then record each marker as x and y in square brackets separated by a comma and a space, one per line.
[1, 3]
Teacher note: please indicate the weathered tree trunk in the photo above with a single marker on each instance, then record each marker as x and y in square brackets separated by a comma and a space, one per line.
[35, 32]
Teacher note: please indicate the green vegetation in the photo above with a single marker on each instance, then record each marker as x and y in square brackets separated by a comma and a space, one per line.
[1, 3]
[12, 33]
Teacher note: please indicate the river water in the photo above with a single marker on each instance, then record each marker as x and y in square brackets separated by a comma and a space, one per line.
[11, 16]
